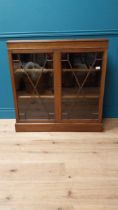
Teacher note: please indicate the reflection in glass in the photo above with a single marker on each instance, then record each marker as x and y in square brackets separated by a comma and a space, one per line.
[34, 81]
[81, 74]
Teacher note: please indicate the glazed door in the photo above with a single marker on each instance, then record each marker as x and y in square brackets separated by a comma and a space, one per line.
[34, 85]
[81, 76]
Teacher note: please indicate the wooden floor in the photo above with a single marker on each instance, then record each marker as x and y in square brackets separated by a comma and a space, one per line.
[58, 171]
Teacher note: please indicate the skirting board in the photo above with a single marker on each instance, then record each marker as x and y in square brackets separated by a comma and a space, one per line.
[7, 113]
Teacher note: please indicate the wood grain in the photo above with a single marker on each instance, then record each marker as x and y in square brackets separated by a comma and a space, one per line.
[57, 47]
[58, 171]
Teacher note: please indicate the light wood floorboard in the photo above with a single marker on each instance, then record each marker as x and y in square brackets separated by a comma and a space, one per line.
[59, 171]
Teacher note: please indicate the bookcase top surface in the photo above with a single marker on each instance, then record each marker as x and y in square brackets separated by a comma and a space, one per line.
[58, 40]
[56, 44]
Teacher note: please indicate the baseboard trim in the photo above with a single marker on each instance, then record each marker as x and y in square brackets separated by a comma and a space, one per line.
[7, 113]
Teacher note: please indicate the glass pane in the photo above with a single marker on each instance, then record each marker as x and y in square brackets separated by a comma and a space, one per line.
[81, 73]
[34, 81]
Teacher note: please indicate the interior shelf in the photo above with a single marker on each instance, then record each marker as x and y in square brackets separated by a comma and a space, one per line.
[84, 93]
[46, 94]
[81, 70]
[33, 70]
[67, 93]
[45, 70]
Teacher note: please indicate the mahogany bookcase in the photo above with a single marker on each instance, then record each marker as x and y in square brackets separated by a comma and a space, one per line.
[58, 85]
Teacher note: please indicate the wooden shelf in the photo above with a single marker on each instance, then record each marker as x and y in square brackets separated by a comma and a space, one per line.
[80, 70]
[47, 94]
[67, 93]
[33, 70]
[84, 93]
[50, 70]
